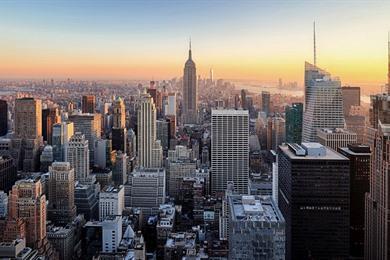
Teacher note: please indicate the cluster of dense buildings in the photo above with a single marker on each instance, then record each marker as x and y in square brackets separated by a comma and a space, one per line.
[211, 175]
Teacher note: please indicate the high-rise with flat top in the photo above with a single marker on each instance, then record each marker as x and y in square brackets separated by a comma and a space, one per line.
[28, 133]
[351, 97]
[145, 189]
[313, 184]
[229, 150]
[27, 201]
[88, 104]
[61, 208]
[77, 154]
[257, 228]
[359, 158]
[323, 102]
[28, 118]
[294, 114]
[90, 126]
[336, 137]
[3, 117]
[190, 91]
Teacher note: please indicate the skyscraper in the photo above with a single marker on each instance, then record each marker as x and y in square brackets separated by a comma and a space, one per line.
[61, 209]
[156, 96]
[359, 178]
[351, 97]
[265, 101]
[145, 189]
[50, 116]
[276, 132]
[119, 171]
[8, 174]
[28, 133]
[256, 227]
[3, 117]
[119, 113]
[62, 132]
[77, 154]
[88, 104]
[377, 235]
[294, 114]
[27, 201]
[171, 107]
[119, 139]
[111, 201]
[323, 102]
[90, 126]
[28, 118]
[146, 134]
[335, 137]
[244, 104]
[119, 133]
[190, 91]
[377, 206]
[229, 150]
[313, 183]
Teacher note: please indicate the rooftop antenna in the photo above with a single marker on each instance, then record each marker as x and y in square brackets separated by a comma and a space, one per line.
[314, 41]
[190, 52]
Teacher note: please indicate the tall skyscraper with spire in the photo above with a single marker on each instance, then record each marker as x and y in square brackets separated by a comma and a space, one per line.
[190, 91]
[323, 100]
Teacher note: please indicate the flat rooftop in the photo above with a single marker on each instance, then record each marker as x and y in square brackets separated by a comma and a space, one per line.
[254, 208]
[351, 152]
[329, 155]
[229, 112]
[335, 131]
[112, 189]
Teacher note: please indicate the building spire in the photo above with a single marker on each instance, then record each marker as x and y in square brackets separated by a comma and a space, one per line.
[190, 52]
[314, 41]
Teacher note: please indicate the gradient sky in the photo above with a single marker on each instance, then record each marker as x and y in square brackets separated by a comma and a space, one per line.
[253, 40]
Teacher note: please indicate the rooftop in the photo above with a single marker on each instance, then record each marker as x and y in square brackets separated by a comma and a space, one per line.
[229, 112]
[310, 151]
[112, 189]
[254, 208]
[357, 149]
[335, 131]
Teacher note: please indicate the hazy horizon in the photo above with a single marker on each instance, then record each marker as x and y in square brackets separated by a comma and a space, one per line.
[243, 40]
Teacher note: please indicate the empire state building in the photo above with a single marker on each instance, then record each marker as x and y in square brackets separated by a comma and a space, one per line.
[190, 91]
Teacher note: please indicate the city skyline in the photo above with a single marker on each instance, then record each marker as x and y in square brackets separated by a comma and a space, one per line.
[138, 40]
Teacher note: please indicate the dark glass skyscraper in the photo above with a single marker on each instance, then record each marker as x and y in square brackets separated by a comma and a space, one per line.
[88, 104]
[7, 173]
[313, 197]
[3, 117]
[294, 123]
[359, 159]
[50, 116]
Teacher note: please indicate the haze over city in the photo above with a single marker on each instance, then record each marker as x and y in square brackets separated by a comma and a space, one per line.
[194, 130]
[240, 40]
